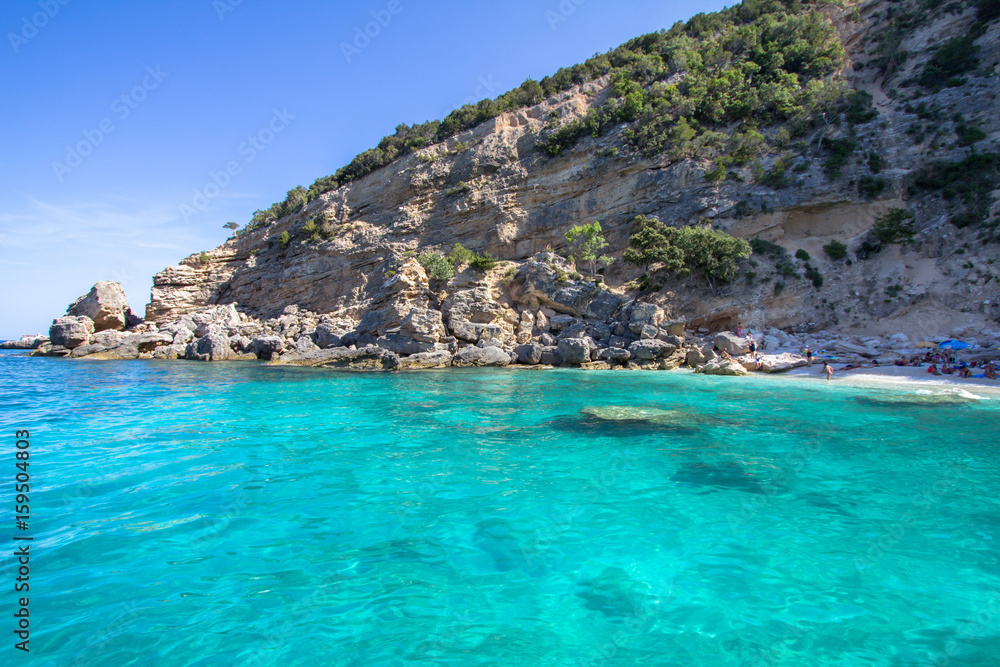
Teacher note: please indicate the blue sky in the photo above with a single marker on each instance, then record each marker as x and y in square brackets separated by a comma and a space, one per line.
[117, 113]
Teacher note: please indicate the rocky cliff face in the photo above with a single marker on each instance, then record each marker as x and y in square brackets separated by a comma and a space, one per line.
[518, 202]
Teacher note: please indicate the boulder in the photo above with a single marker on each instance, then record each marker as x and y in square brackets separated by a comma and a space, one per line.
[328, 334]
[736, 346]
[550, 356]
[723, 367]
[614, 355]
[645, 313]
[494, 356]
[560, 322]
[529, 354]
[304, 344]
[777, 363]
[211, 347]
[674, 327]
[87, 349]
[106, 305]
[265, 347]
[650, 349]
[71, 331]
[148, 342]
[468, 356]
[603, 306]
[423, 325]
[436, 359]
[574, 351]
[694, 357]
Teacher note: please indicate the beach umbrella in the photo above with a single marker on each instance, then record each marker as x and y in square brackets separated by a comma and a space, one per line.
[953, 345]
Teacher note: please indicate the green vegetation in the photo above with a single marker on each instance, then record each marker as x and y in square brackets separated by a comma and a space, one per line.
[714, 86]
[871, 187]
[204, 258]
[812, 274]
[839, 151]
[988, 10]
[460, 255]
[896, 226]
[952, 59]
[586, 243]
[462, 188]
[681, 250]
[483, 262]
[835, 250]
[802, 254]
[231, 225]
[968, 184]
[284, 240]
[436, 265]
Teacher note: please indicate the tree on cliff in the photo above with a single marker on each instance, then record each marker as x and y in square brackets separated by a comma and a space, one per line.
[681, 250]
[586, 242]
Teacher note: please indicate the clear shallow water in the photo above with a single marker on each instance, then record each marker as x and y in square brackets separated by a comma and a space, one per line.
[197, 514]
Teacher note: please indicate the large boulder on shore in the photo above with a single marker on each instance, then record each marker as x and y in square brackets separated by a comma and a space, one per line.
[723, 367]
[529, 354]
[574, 351]
[436, 359]
[105, 304]
[650, 349]
[481, 356]
[727, 341]
[777, 363]
[71, 331]
[212, 347]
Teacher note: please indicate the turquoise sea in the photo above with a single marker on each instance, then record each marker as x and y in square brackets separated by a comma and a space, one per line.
[235, 514]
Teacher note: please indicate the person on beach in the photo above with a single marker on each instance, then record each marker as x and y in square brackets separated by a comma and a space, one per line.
[739, 330]
[828, 369]
[990, 371]
[809, 355]
[753, 345]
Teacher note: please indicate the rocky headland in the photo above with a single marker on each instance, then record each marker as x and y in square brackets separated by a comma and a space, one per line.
[340, 274]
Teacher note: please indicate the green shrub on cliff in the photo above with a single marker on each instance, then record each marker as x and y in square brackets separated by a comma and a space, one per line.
[284, 240]
[460, 255]
[835, 250]
[952, 59]
[896, 226]
[681, 250]
[436, 265]
[586, 243]
[483, 262]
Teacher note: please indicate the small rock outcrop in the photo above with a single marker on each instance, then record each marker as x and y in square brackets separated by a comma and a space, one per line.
[71, 331]
[106, 305]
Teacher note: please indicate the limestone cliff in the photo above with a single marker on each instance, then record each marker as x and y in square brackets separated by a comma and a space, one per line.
[517, 201]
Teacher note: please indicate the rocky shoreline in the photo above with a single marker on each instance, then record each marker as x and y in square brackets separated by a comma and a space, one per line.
[529, 317]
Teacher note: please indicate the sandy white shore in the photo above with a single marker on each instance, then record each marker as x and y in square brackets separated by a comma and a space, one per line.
[900, 377]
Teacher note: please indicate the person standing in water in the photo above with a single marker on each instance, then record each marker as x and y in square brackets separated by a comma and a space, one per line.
[828, 369]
